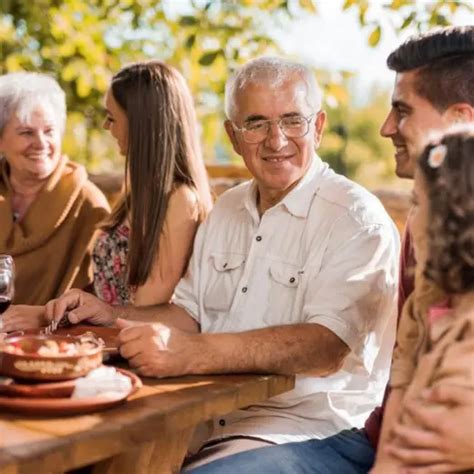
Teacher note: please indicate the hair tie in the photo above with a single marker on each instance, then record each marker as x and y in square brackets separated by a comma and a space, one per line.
[437, 156]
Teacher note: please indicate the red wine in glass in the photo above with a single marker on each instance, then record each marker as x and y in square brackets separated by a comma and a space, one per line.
[4, 303]
[7, 276]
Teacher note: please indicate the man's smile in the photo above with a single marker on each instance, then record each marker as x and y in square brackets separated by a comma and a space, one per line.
[277, 158]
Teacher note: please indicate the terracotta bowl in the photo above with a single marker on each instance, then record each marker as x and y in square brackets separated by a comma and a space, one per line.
[33, 366]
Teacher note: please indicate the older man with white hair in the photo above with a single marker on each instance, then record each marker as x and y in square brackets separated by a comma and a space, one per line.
[293, 272]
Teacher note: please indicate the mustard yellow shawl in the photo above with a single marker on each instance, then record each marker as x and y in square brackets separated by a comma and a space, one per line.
[51, 246]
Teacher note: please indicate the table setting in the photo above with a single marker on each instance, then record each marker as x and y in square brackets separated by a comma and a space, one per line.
[68, 399]
[61, 371]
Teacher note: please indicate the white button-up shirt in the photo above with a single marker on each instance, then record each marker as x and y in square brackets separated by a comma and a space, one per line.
[326, 254]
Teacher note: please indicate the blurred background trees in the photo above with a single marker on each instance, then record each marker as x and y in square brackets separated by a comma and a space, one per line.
[83, 43]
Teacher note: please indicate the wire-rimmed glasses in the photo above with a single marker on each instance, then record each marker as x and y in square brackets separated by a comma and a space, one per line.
[7, 282]
[292, 126]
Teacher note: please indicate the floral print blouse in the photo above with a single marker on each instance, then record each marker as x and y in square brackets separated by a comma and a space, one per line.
[110, 265]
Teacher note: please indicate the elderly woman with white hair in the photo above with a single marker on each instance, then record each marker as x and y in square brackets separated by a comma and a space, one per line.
[48, 207]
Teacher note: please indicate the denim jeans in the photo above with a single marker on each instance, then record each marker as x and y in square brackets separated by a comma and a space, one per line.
[348, 452]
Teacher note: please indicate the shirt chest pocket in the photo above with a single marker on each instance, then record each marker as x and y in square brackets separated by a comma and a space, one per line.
[285, 280]
[225, 273]
[285, 274]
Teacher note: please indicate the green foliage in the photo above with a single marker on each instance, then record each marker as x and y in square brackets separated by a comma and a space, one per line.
[404, 13]
[352, 143]
[82, 44]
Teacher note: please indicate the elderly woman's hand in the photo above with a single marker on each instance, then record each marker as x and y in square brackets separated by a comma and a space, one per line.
[81, 307]
[20, 317]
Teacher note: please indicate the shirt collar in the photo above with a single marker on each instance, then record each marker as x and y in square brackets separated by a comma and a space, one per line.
[298, 200]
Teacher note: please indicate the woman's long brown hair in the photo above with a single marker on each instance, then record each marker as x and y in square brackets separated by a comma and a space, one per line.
[163, 153]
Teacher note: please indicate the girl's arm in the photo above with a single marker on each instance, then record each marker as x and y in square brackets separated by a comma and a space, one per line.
[175, 248]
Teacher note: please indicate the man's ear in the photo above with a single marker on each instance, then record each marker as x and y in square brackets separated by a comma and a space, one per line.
[461, 112]
[232, 136]
[319, 124]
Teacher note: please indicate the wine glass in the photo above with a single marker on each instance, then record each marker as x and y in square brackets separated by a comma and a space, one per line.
[7, 286]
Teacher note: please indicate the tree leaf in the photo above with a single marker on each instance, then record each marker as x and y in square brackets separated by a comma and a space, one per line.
[13, 63]
[188, 20]
[374, 37]
[190, 41]
[83, 85]
[348, 4]
[363, 7]
[208, 58]
[66, 49]
[408, 20]
[308, 5]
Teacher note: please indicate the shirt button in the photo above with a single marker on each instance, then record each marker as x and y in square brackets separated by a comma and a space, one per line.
[244, 289]
[222, 422]
[292, 280]
[258, 238]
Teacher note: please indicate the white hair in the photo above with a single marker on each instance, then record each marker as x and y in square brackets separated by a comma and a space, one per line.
[274, 72]
[22, 92]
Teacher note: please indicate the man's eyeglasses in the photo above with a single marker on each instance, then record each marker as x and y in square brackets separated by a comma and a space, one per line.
[256, 131]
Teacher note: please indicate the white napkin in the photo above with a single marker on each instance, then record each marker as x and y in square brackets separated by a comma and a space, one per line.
[105, 382]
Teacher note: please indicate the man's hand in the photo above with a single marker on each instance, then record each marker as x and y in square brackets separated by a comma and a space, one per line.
[443, 440]
[156, 350]
[20, 317]
[82, 306]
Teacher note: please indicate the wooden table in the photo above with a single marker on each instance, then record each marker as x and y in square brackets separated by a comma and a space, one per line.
[150, 433]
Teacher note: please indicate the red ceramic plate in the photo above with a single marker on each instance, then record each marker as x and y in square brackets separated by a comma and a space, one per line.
[15, 388]
[66, 406]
